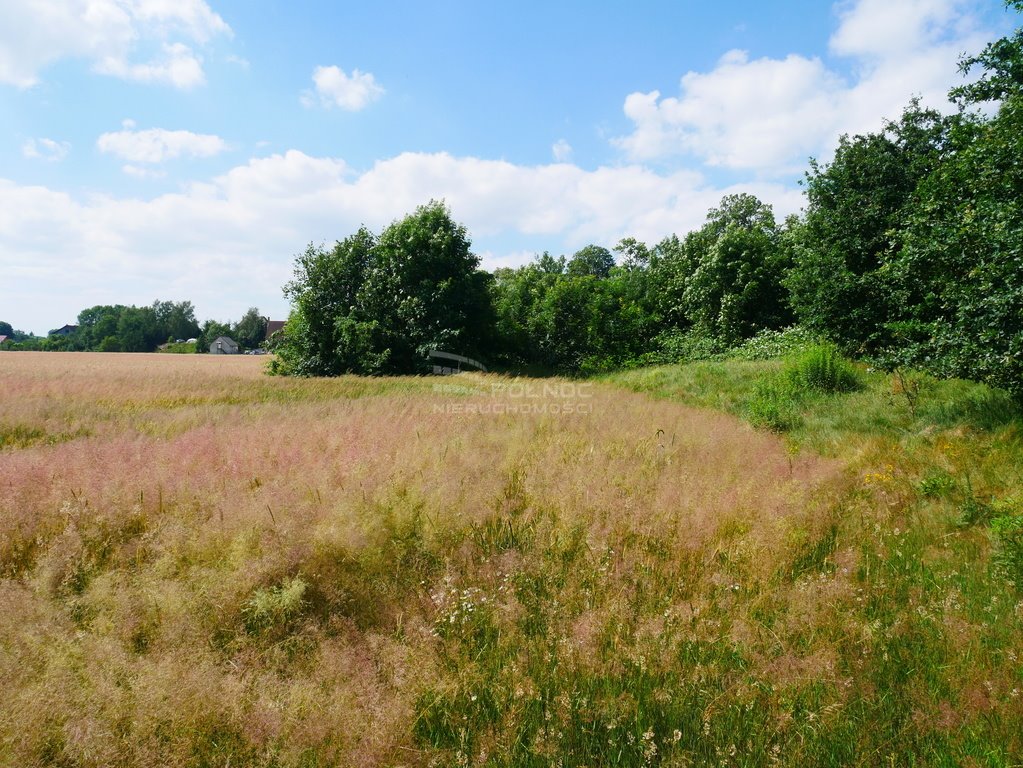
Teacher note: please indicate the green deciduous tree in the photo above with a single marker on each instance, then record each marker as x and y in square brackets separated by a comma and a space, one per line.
[138, 330]
[97, 323]
[379, 305]
[176, 320]
[724, 279]
[110, 344]
[328, 332]
[425, 291]
[1001, 63]
[591, 260]
[133, 329]
[960, 269]
[250, 331]
[841, 282]
[549, 319]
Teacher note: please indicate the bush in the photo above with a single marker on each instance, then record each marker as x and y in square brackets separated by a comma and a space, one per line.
[770, 344]
[676, 346]
[821, 368]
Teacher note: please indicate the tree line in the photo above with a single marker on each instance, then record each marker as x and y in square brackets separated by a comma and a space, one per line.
[165, 325]
[909, 253]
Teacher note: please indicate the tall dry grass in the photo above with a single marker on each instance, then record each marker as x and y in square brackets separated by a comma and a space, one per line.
[205, 566]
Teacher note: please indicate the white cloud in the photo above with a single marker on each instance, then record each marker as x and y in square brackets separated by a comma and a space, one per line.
[156, 145]
[193, 17]
[179, 67]
[768, 115]
[561, 150]
[139, 172]
[130, 39]
[743, 114]
[884, 29]
[45, 149]
[334, 88]
[229, 243]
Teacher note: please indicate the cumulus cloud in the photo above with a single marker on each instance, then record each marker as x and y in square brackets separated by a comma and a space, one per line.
[139, 40]
[45, 149]
[155, 145]
[334, 88]
[883, 29]
[561, 150]
[228, 243]
[768, 115]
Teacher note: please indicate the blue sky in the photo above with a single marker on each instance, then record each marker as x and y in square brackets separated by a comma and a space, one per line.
[188, 149]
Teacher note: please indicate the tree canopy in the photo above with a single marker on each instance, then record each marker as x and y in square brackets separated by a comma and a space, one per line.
[379, 305]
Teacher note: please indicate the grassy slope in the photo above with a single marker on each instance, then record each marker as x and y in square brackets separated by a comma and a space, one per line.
[202, 566]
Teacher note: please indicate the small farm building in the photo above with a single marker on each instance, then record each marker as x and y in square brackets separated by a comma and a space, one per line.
[224, 345]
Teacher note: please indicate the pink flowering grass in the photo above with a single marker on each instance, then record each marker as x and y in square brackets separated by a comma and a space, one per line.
[202, 565]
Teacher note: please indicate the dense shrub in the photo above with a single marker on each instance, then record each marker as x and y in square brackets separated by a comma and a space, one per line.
[820, 368]
[769, 344]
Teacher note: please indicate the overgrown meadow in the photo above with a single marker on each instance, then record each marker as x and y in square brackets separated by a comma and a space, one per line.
[730, 563]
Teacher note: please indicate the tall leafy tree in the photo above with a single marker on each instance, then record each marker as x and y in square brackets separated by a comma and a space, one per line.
[251, 329]
[516, 296]
[553, 320]
[961, 265]
[379, 305]
[138, 329]
[592, 260]
[98, 323]
[960, 268]
[424, 291]
[1001, 65]
[176, 319]
[671, 268]
[841, 282]
[725, 278]
[328, 332]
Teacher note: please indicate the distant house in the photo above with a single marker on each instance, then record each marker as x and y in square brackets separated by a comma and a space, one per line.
[2, 339]
[66, 330]
[224, 346]
[273, 327]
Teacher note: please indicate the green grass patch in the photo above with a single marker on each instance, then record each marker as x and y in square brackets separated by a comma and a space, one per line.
[22, 436]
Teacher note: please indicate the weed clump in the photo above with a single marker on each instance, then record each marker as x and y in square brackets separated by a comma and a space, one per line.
[276, 607]
[821, 368]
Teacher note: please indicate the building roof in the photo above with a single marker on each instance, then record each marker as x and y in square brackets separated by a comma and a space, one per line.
[273, 326]
[3, 339]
